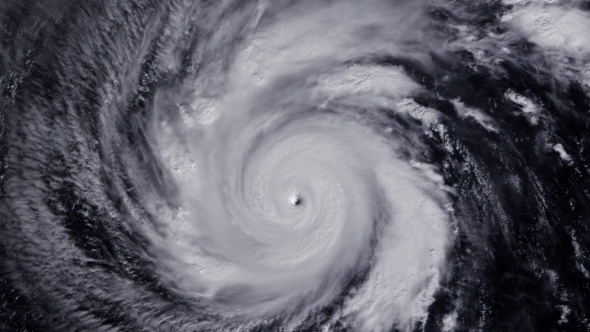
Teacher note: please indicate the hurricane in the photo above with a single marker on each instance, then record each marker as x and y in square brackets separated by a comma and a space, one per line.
[377, 165]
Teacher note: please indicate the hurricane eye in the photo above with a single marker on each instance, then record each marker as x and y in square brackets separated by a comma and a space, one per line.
[295, 200]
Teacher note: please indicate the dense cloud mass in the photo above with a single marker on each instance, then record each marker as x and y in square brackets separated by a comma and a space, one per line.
[378, 165]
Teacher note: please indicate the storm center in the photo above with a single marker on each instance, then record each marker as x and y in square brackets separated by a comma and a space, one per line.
[295, 200]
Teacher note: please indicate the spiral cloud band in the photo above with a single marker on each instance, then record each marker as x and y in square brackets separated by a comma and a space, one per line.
[294, 166]
[243, 240]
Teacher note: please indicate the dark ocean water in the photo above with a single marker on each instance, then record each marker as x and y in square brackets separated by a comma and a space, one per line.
[294, 165]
